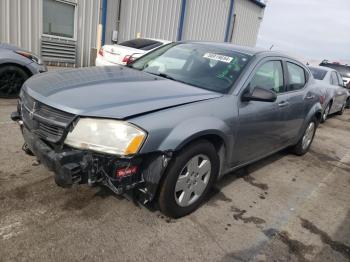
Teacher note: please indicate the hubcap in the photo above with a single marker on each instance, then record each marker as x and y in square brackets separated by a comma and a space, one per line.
[193, 180]
[309, 133]
[326, 112]
[343, 107]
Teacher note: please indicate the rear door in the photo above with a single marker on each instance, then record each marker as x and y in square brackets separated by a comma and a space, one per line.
[338, 100]
[298, 98]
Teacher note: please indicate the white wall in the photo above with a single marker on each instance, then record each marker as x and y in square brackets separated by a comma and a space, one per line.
[21, 25]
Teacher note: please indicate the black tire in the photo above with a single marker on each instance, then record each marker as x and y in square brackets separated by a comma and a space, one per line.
[11, 80]
[342, 110]
[299, 149]
[166, 200]
[324, 115]
[348, 103]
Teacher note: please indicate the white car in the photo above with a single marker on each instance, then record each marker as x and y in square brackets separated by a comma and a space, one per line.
[120, 54]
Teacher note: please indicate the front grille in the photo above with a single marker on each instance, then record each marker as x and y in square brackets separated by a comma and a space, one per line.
[47, 122]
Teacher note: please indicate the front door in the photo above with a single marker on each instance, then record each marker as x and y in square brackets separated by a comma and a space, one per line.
[261, 124]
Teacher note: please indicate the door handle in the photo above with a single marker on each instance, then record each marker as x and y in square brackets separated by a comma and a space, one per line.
[283, 104]
[310, 97]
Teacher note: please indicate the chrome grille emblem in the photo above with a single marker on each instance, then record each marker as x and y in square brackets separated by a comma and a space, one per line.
[33, 110]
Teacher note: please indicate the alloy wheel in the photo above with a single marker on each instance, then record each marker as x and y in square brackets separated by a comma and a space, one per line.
[325, 113]
[308, 136]
[10, 83]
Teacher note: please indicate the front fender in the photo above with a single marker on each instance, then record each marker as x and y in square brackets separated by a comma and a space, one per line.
[191, 129]
[182, 134]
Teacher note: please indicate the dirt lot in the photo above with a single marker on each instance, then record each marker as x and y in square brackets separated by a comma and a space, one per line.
[283, 208]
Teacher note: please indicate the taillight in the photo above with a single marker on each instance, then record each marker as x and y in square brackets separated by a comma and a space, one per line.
[126, 59]
[100, 52]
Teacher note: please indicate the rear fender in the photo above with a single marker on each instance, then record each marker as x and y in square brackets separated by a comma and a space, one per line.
[315, 111]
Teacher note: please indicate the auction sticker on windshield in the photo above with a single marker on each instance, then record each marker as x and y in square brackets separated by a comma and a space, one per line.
[222, 58]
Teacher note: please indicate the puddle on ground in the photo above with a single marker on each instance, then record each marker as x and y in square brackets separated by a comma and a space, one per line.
[251, 180]
[295, 247]
[238, 215]
[325, 238]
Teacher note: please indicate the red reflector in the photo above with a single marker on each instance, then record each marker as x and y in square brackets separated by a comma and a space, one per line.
[128, 171]
[100, 52]
[126, 58]
[322, 99]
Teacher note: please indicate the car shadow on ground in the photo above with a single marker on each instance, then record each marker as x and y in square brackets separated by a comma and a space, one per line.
[215, 193]
[244, 173]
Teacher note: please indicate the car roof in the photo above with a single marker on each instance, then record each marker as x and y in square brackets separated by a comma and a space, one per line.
[328, 69]
[9, 46]
[159, 40]
[242, 49]
[153, 39]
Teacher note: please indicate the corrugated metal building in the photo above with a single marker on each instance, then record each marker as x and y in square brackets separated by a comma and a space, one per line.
[62, 32]
[236, 21]
[66, 31]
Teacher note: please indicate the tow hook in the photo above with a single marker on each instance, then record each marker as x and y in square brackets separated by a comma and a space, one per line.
[27, 150]
[15, 116]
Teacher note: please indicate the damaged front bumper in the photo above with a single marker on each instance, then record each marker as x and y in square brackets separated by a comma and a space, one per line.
[72, 166]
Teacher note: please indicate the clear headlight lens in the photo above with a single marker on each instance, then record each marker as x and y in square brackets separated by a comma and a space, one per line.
[106, 136]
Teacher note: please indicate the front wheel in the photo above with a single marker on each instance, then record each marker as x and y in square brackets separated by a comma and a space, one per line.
[11, 80]
[305, 142]
[189, 178]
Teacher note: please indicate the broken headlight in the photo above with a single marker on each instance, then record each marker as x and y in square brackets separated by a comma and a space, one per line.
[106, 136]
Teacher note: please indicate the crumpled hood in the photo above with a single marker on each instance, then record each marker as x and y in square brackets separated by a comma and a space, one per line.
[112, 92]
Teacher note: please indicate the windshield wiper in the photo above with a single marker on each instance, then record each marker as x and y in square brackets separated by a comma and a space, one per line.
[177, 80]
[165, 76]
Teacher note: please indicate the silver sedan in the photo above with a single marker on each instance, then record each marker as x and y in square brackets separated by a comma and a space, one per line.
[334, 93]
[16, 66]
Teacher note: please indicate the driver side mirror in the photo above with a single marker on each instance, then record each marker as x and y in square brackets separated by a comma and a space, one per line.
[260, 94]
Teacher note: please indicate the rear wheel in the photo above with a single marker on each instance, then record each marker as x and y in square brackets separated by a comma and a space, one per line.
[325, 113]
[342, 109]
[11, 81]
[188, 179]
[305, 142]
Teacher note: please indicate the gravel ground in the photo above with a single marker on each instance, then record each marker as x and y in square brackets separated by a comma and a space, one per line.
[283, 208]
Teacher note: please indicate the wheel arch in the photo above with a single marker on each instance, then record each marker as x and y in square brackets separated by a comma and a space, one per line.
[23, 67]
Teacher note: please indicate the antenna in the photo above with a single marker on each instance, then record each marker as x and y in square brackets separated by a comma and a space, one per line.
[271, 47]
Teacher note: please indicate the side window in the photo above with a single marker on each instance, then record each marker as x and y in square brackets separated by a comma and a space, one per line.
[340, 79]
[334, 79]
[269, 76]
[296, 77]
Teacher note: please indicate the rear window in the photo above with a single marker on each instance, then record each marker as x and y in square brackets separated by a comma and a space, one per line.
[318, 74]
[344, 70]
[140, 43]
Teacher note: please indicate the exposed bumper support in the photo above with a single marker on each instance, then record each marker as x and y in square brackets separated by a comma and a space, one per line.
[73, 166]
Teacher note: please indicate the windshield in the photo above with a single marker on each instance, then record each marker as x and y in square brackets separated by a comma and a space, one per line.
[318, 74]
[200, 65]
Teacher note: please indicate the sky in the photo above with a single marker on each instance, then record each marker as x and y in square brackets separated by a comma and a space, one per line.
[308, 29]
